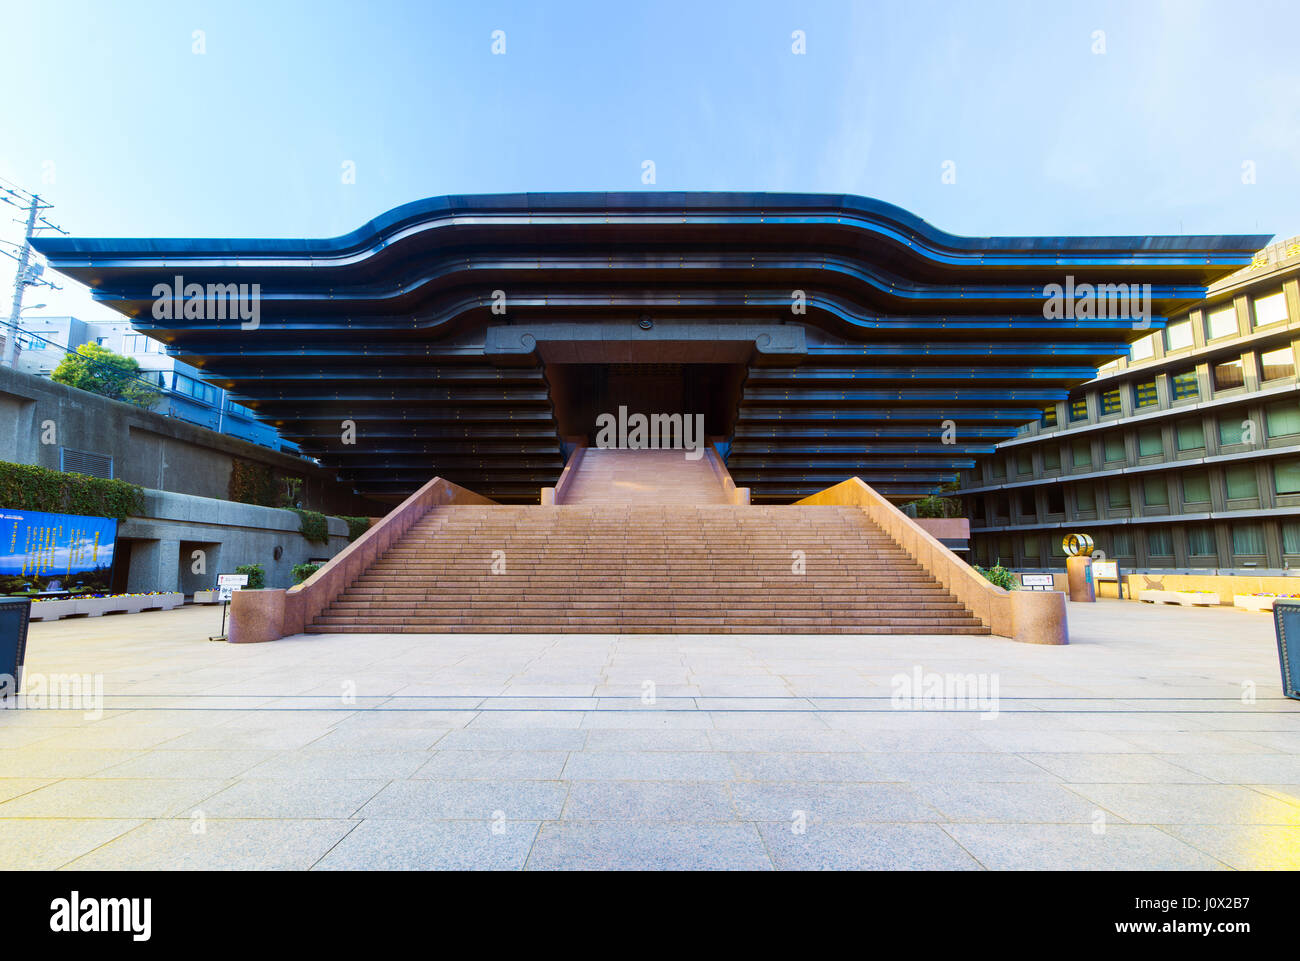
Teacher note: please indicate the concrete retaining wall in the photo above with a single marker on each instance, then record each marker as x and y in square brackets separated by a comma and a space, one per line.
[174, 526]
[148, 449]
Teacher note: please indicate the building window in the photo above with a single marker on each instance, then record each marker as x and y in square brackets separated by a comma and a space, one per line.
[1117, 493]
[1144, 395]
[1160, 543]
[1049, 416]
[1185, 385]
[1291, 537]
[1270, 309]
[1191, 435]
[1024, 462]
[1055, 500]
[1231, 431]
[1143, 349]
[1110, 402]
[1121, 544]
[1200, 541]
[1247, 539]
[1276, 364]
[1081, 453]
[196, 389]
[1228, 374]
[1286, 476]
[1178, 336]
[1150, 442]
[1196, 487]
[1028, 504]
[1282, 419]
[1005, 555]
[1051, 457]
[1113, 446]
[1155, 491]
[1221, 323]
[1079, 409]
[996, 469]
[1241, 481]
[1085, 499]
[1030, 549]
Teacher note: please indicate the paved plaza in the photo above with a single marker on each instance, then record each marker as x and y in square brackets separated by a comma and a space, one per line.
[1158, 739]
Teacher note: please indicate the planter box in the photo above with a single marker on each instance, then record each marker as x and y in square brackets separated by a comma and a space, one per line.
[1184, 598]
[1256, 602]
[98, 606]
[206, 597]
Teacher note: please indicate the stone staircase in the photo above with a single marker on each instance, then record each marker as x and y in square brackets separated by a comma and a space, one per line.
[638, 567]
[643, 477]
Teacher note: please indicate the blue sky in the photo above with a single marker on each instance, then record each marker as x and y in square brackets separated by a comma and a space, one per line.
[115, 118]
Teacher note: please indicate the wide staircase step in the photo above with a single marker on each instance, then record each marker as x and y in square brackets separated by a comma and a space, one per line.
[642, 566]
[643, 477]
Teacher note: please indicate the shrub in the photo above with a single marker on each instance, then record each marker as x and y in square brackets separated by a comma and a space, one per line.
[252, 483]
[101, 371]
[303, 571]
[313, 526]
[1000, 576]
[936, 506]
[28, 487]
[356, 526]
[256, 576]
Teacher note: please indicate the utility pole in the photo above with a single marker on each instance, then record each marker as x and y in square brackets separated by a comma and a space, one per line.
[26, 276]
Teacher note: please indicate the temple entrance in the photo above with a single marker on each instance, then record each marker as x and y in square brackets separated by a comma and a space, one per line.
[581, 393]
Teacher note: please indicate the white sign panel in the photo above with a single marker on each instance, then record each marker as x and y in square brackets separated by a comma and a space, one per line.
[1105, 570]
[1036, 580]
[232, 580]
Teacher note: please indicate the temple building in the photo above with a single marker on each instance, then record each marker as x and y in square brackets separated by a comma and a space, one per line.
[480, 338]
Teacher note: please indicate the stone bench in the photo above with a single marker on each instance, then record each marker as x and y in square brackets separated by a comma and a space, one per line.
[1184, 598]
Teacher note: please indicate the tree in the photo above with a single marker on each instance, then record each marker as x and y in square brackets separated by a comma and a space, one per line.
[101, 371]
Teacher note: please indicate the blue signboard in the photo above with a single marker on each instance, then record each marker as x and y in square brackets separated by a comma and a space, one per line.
[52, 552]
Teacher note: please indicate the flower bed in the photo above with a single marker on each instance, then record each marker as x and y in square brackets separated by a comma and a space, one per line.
[95, 605]
[1261, 603]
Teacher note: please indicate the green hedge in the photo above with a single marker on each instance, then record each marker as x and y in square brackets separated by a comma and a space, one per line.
[1000, 576]
[28, 487]
[303, 571]
[935, 506]
[256, 575]
[356, 526]
[252, 483]
[315, 527]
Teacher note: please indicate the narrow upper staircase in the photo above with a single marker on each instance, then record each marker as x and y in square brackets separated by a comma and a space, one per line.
[646, 546]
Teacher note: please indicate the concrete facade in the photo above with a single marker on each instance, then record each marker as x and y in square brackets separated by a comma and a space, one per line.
[164, 541]
[185, 471]
[40, 421]
[1183, 458]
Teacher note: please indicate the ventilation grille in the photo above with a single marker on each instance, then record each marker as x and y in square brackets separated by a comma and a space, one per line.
[85, 462]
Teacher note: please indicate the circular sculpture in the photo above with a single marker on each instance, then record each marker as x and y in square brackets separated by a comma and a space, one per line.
[1077, 545]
